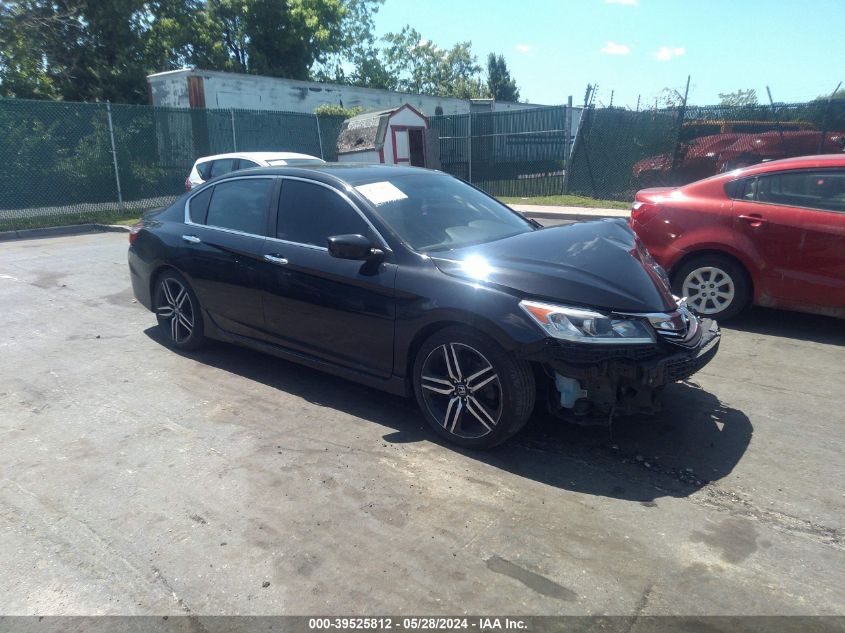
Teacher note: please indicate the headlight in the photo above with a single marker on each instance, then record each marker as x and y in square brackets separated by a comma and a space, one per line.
[586, 326]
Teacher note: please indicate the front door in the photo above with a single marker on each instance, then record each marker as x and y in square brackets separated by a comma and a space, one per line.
[337, 310]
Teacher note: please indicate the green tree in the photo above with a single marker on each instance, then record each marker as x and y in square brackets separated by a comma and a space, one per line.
[359, 61]
[103, 49]
[280, 38]
[421, 67]
[500, 85]
[82, 49]
[738, 98]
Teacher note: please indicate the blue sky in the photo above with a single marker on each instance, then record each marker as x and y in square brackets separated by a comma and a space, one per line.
[638, 47]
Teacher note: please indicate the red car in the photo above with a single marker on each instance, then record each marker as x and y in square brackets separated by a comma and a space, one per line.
[772, 234]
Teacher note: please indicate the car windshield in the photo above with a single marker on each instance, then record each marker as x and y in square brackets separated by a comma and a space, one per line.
[278, 162]
[434, 212]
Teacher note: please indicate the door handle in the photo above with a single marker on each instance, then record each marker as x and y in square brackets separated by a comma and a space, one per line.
[753, 219]
[191, 239]
[276, 259]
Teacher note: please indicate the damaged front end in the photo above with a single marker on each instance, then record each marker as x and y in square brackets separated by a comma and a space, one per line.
[591, 379]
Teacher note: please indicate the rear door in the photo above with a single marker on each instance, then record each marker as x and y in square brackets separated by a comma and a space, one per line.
[341, 311]
[795, 222]
[222, 245]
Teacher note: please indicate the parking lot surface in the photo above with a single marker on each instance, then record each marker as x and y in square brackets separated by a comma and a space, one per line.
[137, 480]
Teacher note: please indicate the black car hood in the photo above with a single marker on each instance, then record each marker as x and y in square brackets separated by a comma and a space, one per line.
[595, 264]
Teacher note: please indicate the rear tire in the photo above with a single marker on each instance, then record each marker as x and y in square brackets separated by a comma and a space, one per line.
[178, 312]
[471, 391]
[715, 286]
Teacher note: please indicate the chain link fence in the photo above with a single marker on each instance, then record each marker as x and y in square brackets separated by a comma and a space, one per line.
[518, 153]
[619, 151]
[70, 162]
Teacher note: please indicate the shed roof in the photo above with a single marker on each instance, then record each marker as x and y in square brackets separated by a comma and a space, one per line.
[366, 131]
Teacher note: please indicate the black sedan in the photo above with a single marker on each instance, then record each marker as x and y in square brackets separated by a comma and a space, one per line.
[415, 282]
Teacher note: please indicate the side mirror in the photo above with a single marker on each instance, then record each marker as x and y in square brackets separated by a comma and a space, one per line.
[353, 247]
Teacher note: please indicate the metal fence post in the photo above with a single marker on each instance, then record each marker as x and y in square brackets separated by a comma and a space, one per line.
[114, 155]
[676, 153]
[234, 136]
[567, 145]
[567, 139]
[469, 147]
[319, 135]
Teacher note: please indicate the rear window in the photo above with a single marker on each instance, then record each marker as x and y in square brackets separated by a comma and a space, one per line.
[222, 166]
[742, 189]
[204, 169]
[241, 205]
[198, 206]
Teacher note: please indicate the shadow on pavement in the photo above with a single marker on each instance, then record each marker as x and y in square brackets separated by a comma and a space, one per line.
[795, 325]
[695, 440]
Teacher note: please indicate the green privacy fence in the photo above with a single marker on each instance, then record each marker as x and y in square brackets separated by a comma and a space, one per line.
[65, 162]
[619, 151]
[509, 153]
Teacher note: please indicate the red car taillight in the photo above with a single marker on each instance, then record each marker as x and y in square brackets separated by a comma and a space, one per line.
[643, 211]
[188, 183]
[134, 231]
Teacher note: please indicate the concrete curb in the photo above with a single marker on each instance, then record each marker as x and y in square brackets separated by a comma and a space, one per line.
[568, 215]
[574, 214]
[56, 231]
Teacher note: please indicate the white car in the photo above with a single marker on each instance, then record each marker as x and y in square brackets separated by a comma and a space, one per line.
[208, 167]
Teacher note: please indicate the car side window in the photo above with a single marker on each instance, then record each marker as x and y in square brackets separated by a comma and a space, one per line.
[204, 169]
[243, 163]
[241, 205]
[311, 214]
[198, 206]
[743, 189]
[823, 190]
[222, 166]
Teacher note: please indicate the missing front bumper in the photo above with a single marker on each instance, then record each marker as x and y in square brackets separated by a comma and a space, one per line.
[627, 384]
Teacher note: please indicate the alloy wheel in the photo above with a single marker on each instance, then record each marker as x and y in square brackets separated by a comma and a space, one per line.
[709, 290]
[176, 309]
[462, 390]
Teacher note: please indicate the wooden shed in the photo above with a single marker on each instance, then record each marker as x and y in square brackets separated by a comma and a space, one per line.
[398, 136]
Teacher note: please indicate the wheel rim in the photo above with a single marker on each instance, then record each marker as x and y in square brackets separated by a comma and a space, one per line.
[709, 290]
[461, 390]
[176, 310]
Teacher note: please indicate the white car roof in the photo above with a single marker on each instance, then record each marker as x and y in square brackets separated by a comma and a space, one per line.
[262, 156]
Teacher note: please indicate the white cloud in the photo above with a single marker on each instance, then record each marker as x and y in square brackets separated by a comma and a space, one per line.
[627, 3]
[523, 48]
[613, 48]
[668, 52]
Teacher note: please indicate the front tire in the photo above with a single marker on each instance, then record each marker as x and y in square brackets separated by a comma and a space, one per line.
[715, 286]
[178, 312]
[470, 390]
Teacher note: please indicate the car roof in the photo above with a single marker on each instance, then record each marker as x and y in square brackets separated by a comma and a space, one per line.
[798, 162]
[264, 156]
[350, 173]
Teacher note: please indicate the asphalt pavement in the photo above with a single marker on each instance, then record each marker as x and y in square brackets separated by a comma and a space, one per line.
[137, 480]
